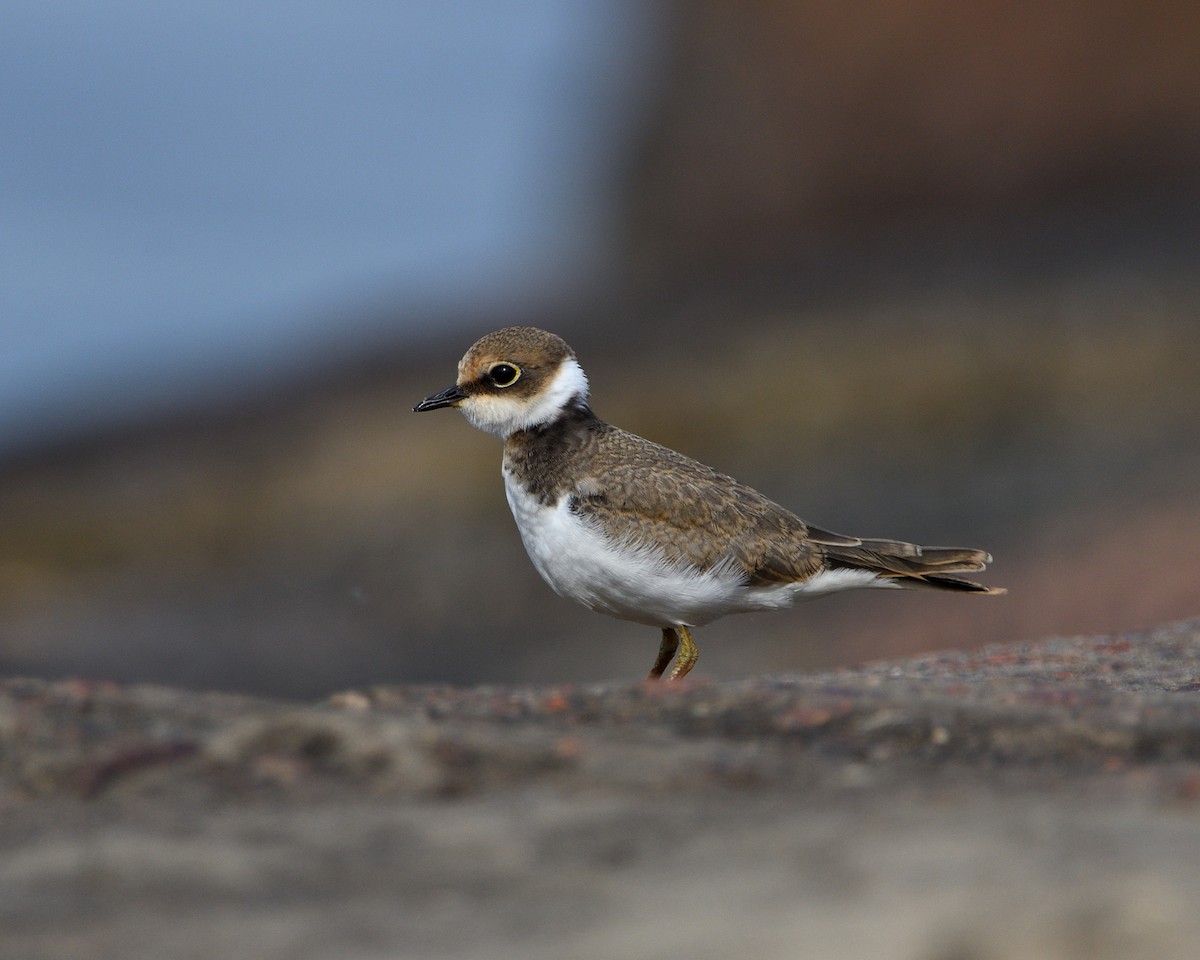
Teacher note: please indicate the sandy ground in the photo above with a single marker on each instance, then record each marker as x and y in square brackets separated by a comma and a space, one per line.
[1031, 801]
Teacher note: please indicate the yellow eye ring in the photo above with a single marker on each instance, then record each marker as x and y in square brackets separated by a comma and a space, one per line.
[504, 374]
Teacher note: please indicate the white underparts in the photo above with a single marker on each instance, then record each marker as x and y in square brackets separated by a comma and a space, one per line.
[503, 414]
[635, 582]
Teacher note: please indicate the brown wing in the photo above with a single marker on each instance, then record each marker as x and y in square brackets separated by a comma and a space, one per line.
[645, 493]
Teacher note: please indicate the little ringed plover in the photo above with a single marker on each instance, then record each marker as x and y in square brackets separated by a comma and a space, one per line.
[637, 531]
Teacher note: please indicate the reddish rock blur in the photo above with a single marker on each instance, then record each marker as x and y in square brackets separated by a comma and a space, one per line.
[800, 123]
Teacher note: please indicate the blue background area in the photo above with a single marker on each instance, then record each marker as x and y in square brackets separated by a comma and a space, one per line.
[198, 196]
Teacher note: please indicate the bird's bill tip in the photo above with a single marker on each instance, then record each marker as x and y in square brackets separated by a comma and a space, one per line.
[450, 397]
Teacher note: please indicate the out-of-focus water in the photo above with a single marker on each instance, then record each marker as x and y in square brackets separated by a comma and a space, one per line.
[194, 196]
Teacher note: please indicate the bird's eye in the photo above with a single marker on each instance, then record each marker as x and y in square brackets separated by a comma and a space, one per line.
[504, 374]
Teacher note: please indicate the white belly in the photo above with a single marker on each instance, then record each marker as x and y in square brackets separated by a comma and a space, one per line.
[636, 582]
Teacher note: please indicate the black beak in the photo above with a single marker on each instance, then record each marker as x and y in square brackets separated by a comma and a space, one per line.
[450, 397]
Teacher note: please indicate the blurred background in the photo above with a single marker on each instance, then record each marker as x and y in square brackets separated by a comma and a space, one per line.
[923, 270]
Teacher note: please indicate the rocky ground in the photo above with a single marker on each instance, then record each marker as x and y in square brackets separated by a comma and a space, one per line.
[1036, 800]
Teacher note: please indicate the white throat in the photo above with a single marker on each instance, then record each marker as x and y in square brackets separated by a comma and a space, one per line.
[504, 415]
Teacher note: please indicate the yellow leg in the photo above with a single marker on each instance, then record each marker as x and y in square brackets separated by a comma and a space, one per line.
[688, 655]
[666, 650]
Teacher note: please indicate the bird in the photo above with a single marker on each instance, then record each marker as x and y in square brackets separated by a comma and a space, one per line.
[640, 532]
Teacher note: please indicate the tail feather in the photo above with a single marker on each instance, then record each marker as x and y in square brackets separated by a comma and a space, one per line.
[942, 582]
[913, 565]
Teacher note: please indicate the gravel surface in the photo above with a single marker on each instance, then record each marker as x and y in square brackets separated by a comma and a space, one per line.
[1039, 800]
